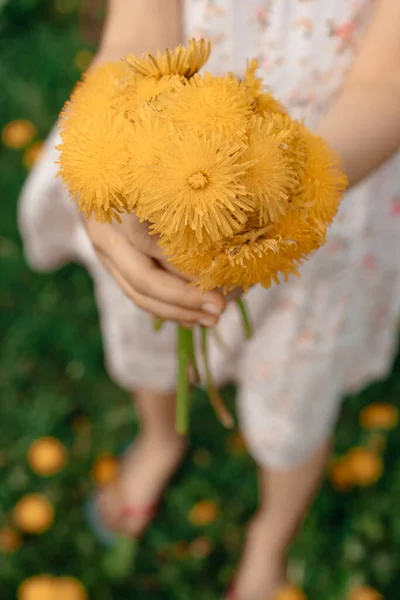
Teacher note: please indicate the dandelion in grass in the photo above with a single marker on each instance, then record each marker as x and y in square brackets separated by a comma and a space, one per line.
[180, 61]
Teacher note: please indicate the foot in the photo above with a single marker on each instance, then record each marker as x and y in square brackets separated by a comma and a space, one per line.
[262, 569]
[128, 505]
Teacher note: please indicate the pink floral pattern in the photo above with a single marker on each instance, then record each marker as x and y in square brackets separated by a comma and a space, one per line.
[317, 337]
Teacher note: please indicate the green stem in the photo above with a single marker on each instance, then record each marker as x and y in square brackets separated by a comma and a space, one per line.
[192, 357]
[182, 399]
[245, 317]
[219, 407]
[158, 324]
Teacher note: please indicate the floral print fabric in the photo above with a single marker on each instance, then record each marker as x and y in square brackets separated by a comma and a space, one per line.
[316, 337]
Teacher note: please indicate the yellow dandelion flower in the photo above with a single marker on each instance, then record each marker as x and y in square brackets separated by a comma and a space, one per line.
[93, 157]
[203, 513]
[380, 416]
[365, 593]
[323, 183]
[244, 263]
[290, 592]
[33, 514]
[366, 466]
[18, 134]
[186, 245]
[272, 177]
[146, 142]
[198, 186]
[180, 61]
[141, 90]
[263, 101]
[263, 255]
[47, 456]
[266, 103]
[96, 91]
[211, 104]
[39, 587]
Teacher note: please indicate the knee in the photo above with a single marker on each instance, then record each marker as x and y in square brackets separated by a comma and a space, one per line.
[281, 445]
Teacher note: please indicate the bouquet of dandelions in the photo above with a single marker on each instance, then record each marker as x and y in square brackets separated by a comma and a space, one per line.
[238, 192]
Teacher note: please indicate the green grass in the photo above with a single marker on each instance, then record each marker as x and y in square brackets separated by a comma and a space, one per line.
[51, 373]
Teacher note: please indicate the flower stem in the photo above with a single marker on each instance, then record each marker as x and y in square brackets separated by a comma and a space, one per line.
[219, 407]
[185, 340]
[158, 324]
[192, 358]
[245, 317]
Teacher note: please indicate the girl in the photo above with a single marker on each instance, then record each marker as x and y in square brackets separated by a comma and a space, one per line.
[336, 65]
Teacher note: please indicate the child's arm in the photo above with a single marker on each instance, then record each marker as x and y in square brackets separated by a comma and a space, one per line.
[140, 26]
[364, 123]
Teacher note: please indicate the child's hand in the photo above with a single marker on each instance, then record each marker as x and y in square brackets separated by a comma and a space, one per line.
[135, 261]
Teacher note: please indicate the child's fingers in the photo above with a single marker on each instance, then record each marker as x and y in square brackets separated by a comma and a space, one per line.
[148, 279]
[165, 311]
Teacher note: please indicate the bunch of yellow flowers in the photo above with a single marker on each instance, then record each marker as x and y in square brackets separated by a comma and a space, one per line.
[238, 192]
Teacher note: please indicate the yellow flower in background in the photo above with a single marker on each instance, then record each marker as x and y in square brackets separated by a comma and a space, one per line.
[92, 163]
[290, 592]
[33, 514]
[263, 101]
[199, 186]
[365, 593]
[18, 134]
[105, 469]
[203, 513]
[69, 588]
[83, 58]
[39, 587]
[180, 61]
[47, 456]
[210, 105]
[379, 416]
[271, 177]
[10, 540]
[32, 154]
[366, 466]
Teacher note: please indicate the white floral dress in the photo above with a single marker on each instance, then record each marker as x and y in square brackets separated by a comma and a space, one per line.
[328, 332]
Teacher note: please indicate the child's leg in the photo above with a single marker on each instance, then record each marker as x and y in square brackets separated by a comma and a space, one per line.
[286, 495]
[147, 466]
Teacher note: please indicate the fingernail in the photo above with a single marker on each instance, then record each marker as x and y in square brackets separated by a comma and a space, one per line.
[213, 309]
[206, 322]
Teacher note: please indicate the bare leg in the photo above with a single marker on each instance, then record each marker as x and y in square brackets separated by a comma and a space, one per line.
[147, 466]
[285, 499]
